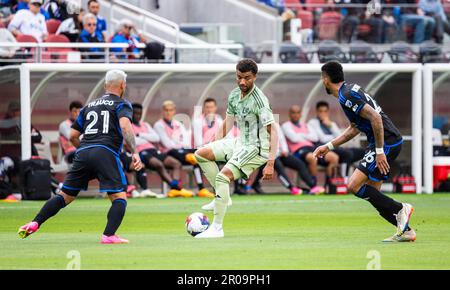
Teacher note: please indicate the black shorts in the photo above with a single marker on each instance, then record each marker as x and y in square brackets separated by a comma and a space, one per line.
[95, 163]
[180, 154]
[368, 164]
[302, 152]
[147, 154]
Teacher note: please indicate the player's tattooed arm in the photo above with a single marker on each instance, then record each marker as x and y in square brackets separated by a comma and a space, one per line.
[349, 133]
[130, 141]
[376, 121]
[75, 137]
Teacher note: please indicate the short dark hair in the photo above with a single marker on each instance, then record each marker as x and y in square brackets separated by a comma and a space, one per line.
[90, 1]
[334, 71]
[322, 104]
[246, 65]
[136, 106]
[76, 105]
[209, 100]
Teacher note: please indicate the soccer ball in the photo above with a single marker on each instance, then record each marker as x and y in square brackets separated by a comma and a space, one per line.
[196, 223]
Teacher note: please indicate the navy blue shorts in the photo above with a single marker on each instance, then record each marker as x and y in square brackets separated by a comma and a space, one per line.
[368, 164]
[98, 163]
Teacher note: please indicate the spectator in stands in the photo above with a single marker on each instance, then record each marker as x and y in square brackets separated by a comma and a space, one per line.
[415, 18]
[64, 131]
[351, 20]
[327, 130]
[94, 8]
[7, 53]
[89, 34]
[285, 158]
[434, 8]
[25, 4]
[301, 138]
[126, 33]
[153, 159]
[30, 22]
[72, 27]
[207, 124]
[176, 142]
[58, 9]
[6, 11]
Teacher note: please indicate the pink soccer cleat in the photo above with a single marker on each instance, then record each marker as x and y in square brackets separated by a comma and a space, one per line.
[296, 191]
[28, 229]
[316, 190]
[113, 240]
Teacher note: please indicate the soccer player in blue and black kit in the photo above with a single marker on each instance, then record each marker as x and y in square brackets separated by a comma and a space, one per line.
[385, 142]
[105, 124]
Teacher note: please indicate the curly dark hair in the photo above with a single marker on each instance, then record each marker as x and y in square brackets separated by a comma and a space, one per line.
[246, 65]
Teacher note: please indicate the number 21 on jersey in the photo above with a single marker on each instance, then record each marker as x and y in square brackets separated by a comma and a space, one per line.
[92, 117]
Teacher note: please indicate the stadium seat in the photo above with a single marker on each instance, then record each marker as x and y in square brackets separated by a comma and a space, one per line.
[58, 54]
[430, 51]
[331, 50]
[2, 25]
[27, 53]
[53, 25]
[329, 23]
[362, 52]
[307, 2]
[291, 53]
[401, 52]
[306, 17]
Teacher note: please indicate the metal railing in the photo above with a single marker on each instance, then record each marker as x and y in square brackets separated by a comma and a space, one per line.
[77, 52]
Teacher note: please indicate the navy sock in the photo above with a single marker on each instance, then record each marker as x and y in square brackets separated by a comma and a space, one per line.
[175, 184]
[141, 178]
[385, 205]
[314, 181]
[50, 208]
[115, 216]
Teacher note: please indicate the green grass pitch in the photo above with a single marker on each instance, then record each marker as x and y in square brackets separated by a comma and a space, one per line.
[261, 232]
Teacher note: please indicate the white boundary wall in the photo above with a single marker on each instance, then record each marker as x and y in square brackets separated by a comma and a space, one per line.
[416, 98]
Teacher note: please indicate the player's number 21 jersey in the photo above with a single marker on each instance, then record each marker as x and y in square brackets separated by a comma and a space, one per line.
[99, 122]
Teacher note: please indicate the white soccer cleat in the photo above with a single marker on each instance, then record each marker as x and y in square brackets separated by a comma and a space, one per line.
[210, 206]
[148, 193]
[135, 194]
[211, 233]
[408, 236]
[403, 217]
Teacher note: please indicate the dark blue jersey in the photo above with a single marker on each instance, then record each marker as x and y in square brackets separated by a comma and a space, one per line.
[99, 122]
[352, 99]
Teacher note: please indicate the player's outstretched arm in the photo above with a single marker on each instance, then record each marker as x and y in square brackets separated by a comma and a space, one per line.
[128, 136]
[75, 137]
[376, 121]
[273, 148]
[349, 133]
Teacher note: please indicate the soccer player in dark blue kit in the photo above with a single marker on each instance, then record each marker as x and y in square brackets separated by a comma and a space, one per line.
[385, 142]
[105, 124]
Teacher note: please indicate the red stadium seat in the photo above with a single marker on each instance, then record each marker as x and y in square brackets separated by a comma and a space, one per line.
[53, 25]
[314, 2]
[28, 53]
[57, 54]
[26, 38]
[2, 25]
[329, 24]
[306, 18]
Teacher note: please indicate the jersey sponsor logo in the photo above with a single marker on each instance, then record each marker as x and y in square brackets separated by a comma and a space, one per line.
[355, 108]
[348, 103]
[101, 102]
[355, 88]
